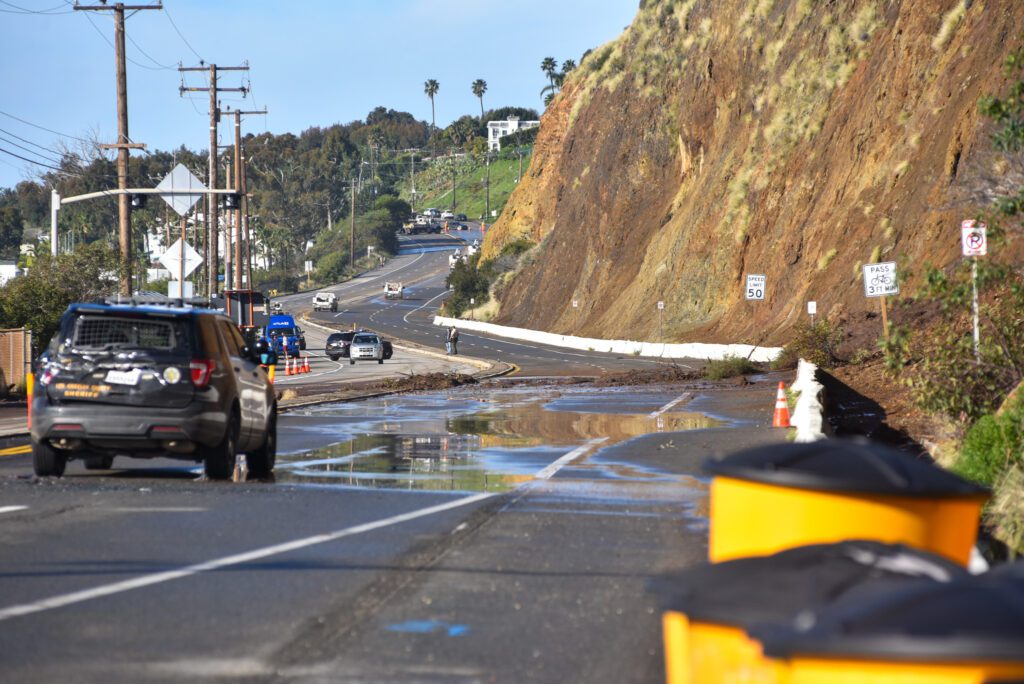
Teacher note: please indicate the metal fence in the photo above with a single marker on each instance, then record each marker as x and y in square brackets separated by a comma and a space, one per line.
[15, 358]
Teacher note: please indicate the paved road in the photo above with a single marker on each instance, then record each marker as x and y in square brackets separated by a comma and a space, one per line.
[423, 267]
[489, 534]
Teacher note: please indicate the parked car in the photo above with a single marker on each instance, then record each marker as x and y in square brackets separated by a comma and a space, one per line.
[152, 381]
[461, 217]
[448, 215]
[325, 301]
[337, 344]
[388, 349]
[366, 346]
[455, 225]
[432, 213]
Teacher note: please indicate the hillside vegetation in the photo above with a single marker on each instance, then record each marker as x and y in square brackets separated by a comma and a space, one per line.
[791, 138]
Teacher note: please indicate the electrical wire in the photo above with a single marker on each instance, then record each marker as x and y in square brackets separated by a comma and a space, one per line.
[180, 35]
[30, 151]
[48, 130]
[24, 140]
[30, 161]
[25, 10]
[164, 67]
[111, 44]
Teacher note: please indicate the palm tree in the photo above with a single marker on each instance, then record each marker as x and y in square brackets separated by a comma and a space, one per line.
[549, 66]
[568, 65]
[479, 88]
[431, 87]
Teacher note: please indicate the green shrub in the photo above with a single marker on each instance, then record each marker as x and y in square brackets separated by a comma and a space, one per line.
[815, 343]
[993, 445]
[728, 367]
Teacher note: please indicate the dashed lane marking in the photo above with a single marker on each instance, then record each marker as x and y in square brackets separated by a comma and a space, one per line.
[12, 509]
[670, 405]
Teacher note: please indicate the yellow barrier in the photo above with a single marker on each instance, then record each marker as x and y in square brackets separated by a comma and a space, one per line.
[849, 671]
[755, 519]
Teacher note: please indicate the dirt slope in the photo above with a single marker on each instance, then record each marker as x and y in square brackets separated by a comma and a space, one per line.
[795, 138]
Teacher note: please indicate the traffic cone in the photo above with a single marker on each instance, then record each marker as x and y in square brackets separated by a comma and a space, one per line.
[305, 364]
[781, 418]
[288, 366]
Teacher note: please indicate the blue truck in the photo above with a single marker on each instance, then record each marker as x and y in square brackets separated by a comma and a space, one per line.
[284, 335]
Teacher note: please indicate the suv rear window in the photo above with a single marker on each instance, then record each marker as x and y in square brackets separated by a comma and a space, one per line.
[344, 337]
[112, 332]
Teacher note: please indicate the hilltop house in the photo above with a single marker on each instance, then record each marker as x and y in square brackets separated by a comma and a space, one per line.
[496, 130]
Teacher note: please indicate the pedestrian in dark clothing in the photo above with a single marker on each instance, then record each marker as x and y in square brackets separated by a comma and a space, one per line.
[452, 341]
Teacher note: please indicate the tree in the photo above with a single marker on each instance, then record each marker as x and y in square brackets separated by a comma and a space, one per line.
[567, 66]
[11, 225]
[549, 66]
[38, 299]
[430, 87]
[479, 88]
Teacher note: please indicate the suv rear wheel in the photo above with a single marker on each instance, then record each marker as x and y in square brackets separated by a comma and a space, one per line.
[219, 460]
[47, 461]
[261, 460]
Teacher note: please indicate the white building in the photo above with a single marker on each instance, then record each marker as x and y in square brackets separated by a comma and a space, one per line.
[496, 130]
[8, 271]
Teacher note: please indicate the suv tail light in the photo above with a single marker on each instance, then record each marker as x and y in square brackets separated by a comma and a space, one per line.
[202, 369]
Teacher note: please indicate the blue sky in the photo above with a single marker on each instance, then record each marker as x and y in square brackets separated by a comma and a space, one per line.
[313, 63]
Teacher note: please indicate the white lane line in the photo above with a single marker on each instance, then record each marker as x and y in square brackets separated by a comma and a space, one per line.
[12, 509]
[405, 318]
[682, 397]
[227, 561]
[568, 458]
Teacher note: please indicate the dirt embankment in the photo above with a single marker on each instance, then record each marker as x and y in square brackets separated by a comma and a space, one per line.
[717, 138]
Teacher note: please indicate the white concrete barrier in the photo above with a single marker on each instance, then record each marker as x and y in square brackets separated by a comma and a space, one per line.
[691, 350]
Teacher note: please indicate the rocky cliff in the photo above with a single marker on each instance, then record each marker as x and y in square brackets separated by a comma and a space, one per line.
[799, 139]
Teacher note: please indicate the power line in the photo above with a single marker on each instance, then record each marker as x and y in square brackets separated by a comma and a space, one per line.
[31, 161]
[24, 140]
[48, 130]
[30, 151]
[147, 55]
[111, 44]
[25, 10]
[180, 35]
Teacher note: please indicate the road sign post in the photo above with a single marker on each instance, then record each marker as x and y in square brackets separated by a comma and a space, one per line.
[974, 241]
[812, 309]
[755, 287]
[661, 328]
[880, 281]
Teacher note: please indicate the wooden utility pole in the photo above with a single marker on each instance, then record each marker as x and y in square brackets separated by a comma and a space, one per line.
[241, 210]
[123, 144]
[213, 228]
[352, 236]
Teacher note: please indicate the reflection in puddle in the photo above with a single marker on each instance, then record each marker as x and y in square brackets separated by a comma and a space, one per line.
[482, 440]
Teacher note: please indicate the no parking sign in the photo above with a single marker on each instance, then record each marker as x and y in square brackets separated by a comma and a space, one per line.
[974, 238]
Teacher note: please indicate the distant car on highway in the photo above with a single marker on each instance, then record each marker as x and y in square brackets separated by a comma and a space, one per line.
[325, 301]
[447, 215]
[152, 381]
[432, 213]
[455, 225]
[461, 217]
[366, 346]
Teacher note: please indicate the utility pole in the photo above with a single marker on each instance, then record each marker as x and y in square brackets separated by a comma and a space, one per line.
[412, 182]
[352, 236]
[212, 226]
[123, 144]
[241, 210]
[454, 181]
[487, 210]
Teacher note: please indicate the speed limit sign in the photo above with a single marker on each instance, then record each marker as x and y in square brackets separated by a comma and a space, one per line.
[755, 286]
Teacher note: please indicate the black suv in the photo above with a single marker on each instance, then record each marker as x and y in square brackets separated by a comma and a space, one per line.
[339, 345]
[148, 381]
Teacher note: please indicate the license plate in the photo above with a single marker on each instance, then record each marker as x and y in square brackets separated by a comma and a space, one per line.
[116, 377]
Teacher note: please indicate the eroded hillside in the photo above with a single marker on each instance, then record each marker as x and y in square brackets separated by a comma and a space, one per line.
[795, 138]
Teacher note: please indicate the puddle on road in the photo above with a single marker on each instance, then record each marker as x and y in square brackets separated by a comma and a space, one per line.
[483, 440]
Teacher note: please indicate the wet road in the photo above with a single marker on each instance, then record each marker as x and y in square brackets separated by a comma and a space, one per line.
[496, 533]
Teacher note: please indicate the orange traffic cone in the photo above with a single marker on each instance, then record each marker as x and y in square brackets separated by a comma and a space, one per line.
[305, 364]
[781, 418]
[288, 366]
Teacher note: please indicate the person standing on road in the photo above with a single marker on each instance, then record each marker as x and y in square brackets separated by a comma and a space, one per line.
[452, 340]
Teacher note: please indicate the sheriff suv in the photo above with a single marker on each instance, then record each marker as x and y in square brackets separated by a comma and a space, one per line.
[152, 381]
